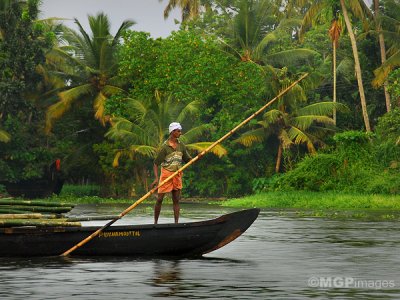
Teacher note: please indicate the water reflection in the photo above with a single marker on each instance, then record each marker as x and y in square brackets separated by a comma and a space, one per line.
[167, 275]
[274, 259]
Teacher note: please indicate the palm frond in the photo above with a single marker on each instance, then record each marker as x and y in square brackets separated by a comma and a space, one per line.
[189, 110]
[272, 116]
[345, 69]
[124, 26]
[132, 152]
[98, 105]
[314, 80]
[250, 137]
[360, 10]
[311, 15]
[104, 56]
[119, 123]
[322, 108]
[300, 137]
[4, 136]
[126, 136]
[157, 123]
[56, 110]
[136, 108]
[392, 37]
[290, 23]
[295, 95]
[117, 156]
[86, 38]
[291, 57]
[100, 26]
[304, 122]
[258, 51]
[130, 133]
[194, 133]
[383, 71]
[218, 150]
[170, 6]
[110, 90]
[144, 150]
[74, 93]
[285, 139]
[59, 56]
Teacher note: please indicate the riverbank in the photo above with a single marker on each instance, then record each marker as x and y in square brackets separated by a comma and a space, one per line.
[299, 203]
[316, 200]
[271, 200]
[331, 205]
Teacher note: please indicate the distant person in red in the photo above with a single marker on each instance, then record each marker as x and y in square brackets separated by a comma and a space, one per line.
[171, 156]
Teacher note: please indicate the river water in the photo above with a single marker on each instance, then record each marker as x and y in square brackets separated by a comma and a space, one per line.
[279, 257]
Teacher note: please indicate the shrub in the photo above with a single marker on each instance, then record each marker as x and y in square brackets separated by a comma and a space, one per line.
[80, 190]
[354, 166]
[313, 173]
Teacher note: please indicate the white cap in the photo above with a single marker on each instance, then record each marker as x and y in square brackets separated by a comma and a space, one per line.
[173, 126]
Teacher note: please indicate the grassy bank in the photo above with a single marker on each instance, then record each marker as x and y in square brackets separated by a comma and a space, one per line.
[316, 200]
[300, 203]
[316, 204]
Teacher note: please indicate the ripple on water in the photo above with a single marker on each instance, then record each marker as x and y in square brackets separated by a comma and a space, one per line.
[274, 259]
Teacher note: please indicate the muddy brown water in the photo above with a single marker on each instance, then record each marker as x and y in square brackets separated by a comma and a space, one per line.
[279, 257]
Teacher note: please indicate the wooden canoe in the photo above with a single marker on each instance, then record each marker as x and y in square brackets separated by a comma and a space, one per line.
[180, 240]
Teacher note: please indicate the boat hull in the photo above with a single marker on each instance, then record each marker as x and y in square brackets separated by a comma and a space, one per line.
[183, 239]
[34, 188]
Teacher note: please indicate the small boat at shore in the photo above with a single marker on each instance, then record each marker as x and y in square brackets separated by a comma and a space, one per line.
[50, 183]
[189, 239]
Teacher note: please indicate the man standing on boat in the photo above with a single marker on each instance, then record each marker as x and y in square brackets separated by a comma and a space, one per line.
[171, 156]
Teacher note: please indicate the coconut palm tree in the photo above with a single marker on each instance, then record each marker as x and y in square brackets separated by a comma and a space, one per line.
[293, 123]
[360, 10]
[255, 28]
[250, 28]
[359, 7]
[147, 127]
[190, 8]
[334, 34]
[382, 50]
[319, 12]
[88, 66]
[390, 23]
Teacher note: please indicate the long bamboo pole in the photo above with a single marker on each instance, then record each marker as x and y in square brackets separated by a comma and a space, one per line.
[192, 161]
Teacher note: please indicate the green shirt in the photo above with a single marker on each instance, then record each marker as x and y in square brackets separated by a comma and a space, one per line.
[172, 159]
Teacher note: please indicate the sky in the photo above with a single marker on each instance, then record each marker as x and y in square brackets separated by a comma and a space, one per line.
[148, 14]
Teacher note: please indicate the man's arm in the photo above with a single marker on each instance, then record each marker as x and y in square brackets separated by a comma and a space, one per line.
[155, 170]
[186, 156]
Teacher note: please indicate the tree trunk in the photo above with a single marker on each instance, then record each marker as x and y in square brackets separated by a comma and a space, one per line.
[383, 52]
[334, 80]
[356, 66]
[278, 158]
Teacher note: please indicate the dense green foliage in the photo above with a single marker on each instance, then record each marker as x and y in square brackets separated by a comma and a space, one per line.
[18, 61]
[226, 61]
[394, 86]
[357, 163]
[23, 45]
[188, 68]
[26, 155]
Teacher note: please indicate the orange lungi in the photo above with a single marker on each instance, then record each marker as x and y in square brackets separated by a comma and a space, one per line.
[174, 184]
